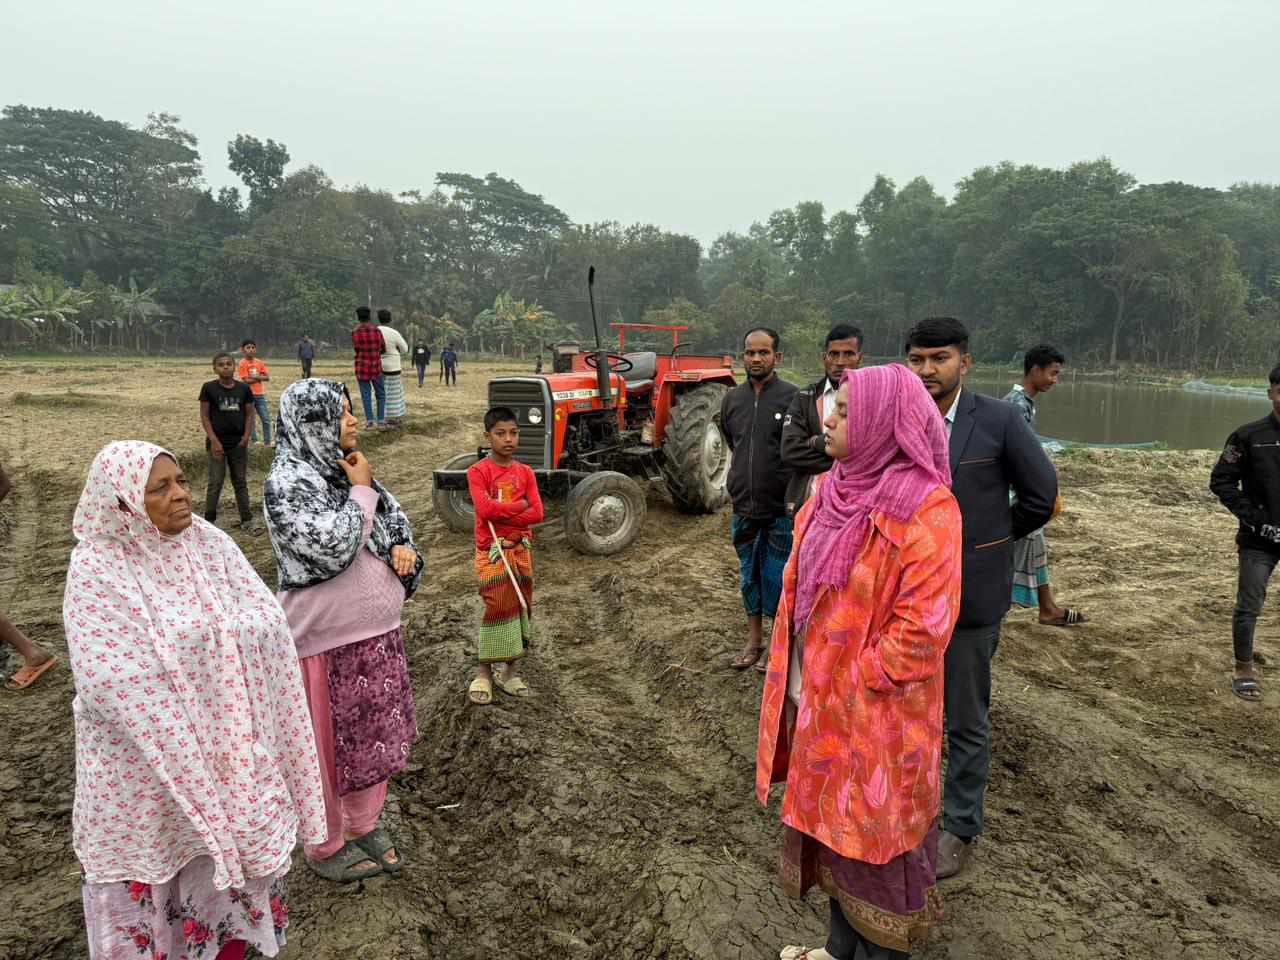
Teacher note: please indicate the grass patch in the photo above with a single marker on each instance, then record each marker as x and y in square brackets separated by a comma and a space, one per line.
[1256, 382]
[81, 361]
[70, 399]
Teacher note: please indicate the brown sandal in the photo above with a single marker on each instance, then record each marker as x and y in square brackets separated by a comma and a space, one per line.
[748, 658]
[27, 675]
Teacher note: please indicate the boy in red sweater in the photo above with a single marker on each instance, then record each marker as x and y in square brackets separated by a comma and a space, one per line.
[505, 494]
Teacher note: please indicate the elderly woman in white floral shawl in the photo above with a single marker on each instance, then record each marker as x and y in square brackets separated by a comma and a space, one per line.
[347, 564]
[196, 766]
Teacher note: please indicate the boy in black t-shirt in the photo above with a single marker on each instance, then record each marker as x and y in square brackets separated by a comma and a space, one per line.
[226, 407]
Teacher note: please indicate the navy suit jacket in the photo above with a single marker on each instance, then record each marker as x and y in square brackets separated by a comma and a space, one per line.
[993, 449]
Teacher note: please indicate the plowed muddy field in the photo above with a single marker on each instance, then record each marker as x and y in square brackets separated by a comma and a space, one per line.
[1134, 807]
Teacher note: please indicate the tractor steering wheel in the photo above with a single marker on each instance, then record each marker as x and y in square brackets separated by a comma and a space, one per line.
[617, 362]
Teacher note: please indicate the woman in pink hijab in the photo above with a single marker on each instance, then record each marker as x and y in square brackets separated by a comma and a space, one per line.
[196, 767]
[852, 714]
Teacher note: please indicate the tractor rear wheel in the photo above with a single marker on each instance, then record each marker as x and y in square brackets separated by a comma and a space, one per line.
[695, 452]
[604, 513]
[454, 507]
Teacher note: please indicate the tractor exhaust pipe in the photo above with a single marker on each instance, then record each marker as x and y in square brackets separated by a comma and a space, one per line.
[603, 373]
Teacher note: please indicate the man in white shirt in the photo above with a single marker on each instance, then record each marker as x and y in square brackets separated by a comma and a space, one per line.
[803, 444]
[395, 346]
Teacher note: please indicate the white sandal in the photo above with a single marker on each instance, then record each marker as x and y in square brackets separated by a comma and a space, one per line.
[512, 686]
[480, 692]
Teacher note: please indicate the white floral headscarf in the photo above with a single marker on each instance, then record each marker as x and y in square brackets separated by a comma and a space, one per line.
[193, 736]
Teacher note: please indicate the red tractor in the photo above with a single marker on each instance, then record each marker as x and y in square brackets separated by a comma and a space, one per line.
[600, 422]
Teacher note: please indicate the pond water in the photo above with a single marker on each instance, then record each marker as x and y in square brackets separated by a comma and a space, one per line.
[1093, 412]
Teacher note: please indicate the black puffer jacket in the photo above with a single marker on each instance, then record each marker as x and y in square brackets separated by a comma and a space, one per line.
[1246, 479]
[753, 424]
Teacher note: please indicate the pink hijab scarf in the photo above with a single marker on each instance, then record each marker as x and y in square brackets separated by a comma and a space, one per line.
[897, 456]
[193, 736]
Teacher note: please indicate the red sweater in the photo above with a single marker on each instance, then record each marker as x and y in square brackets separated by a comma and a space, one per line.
[499, 494]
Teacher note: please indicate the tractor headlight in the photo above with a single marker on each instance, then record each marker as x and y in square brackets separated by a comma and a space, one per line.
[535, 415]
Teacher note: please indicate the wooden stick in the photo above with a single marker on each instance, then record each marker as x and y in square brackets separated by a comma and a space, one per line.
[510, 573]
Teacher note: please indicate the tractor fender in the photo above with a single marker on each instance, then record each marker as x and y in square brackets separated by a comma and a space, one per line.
[669, 389]
[689, 378]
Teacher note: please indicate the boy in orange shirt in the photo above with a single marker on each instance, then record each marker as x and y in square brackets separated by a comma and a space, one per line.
[254, 372]
[505, 494]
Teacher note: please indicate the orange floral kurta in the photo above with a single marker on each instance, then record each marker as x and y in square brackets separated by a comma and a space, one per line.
[861, 761]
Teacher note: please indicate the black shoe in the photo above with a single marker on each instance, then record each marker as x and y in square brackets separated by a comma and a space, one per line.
[953, 855]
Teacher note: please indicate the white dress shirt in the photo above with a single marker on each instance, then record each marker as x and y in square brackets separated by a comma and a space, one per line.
[950, 418]
[828, 399]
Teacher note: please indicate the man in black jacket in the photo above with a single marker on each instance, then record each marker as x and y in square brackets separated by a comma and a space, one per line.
[803, 441]
[1246, 479]
[992, 450]
[751, 417]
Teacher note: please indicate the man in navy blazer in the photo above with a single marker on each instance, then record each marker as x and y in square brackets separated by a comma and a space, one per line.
[992, 451]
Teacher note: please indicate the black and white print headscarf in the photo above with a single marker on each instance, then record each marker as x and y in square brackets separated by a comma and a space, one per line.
[314, 524]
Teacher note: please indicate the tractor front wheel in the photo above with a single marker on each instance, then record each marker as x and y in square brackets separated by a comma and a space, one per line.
[454, 507]
[604, 513]
[696, 455]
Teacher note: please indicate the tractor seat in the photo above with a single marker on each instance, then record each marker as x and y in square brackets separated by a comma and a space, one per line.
[644, 366]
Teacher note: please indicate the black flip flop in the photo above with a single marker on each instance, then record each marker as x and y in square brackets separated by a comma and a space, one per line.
[740, 663]
[1071, 618]
[1243, 687]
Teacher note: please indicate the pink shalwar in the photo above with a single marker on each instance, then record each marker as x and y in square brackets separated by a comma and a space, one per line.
[363, 601]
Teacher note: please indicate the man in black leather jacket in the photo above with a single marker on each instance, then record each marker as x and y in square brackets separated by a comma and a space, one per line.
[803, 440]
[992, 450]
[1246, 479]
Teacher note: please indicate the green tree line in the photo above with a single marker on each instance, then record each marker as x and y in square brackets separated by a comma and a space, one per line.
[110, 237]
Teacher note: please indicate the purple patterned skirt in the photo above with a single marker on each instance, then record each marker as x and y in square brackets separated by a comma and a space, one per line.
[374, 721]
[891, 904]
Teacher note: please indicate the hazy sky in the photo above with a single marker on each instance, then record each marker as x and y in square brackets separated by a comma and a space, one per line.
[697, 117]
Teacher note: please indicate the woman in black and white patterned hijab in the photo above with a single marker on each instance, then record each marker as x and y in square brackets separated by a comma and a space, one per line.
[314, 524]
[347, 564]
